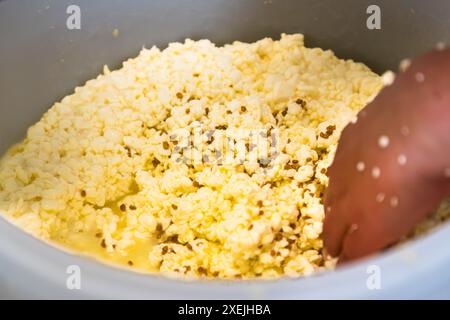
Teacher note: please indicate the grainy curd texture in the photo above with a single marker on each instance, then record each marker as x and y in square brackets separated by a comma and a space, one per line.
[110, 171]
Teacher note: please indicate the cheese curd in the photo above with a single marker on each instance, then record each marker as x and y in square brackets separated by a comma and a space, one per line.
[113, 170]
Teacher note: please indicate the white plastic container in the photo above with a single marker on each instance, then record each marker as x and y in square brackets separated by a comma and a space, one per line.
[41, 61]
